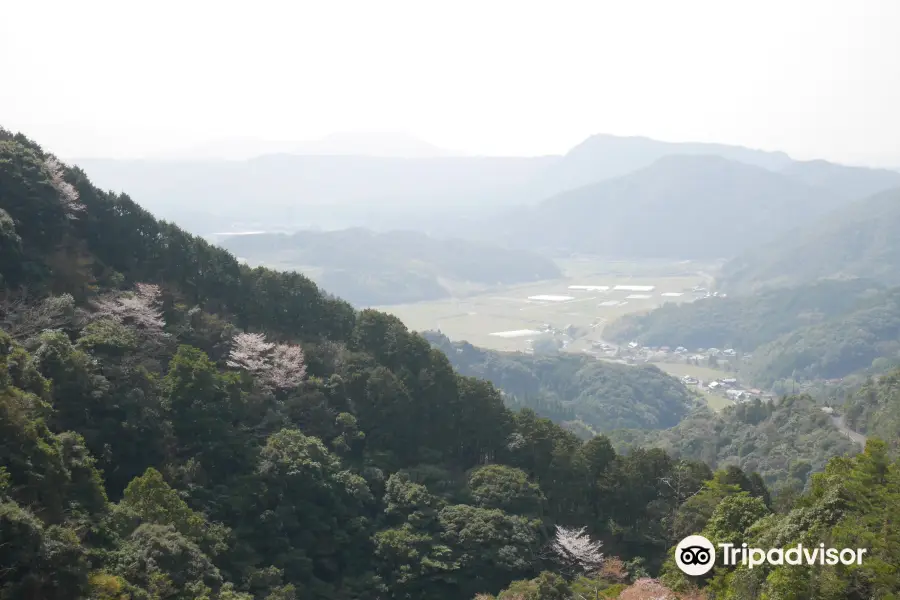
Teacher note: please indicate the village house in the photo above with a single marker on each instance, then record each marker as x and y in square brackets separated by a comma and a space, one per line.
[736, 395]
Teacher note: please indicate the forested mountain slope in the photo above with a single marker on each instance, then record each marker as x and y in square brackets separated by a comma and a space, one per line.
[369, 269]
[743, 322]
[153, 449]
[853, 183]
[784, 440]
[575, 389]
[833, 348]
[678, 207]
[874, 408]
[815, 331]
[177, 426]
[857, 240]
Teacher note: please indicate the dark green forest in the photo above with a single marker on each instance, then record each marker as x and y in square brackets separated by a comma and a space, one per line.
[874, 408]
[867, 338]
[176, 425]
[784, 442]
[584, 394]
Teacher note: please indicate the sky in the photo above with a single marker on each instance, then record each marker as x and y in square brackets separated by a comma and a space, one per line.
[814, 78]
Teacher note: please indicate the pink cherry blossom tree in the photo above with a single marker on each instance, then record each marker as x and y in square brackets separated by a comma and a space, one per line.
[280, 366]
[250, 352]
[139, 307]
[575, 550]
[68, 195]
[288, 366]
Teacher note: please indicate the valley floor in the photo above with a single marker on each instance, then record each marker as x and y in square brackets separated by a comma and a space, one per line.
[513, 317]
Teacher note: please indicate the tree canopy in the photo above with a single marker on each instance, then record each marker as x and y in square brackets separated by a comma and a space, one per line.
[177, 426]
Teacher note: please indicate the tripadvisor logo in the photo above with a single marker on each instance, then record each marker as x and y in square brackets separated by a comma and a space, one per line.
[695, 555]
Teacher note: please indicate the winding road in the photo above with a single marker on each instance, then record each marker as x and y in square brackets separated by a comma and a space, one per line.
[842, 427]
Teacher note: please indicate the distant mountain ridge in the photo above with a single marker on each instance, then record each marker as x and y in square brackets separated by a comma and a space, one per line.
[283, 191]
[392, 181]
[854, 183]
[680, 206]
[605, 156]
[858, 240]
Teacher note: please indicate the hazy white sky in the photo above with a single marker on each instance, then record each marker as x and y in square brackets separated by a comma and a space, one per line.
[816, 78]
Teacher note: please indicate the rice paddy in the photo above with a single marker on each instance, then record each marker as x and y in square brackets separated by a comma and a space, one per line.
[592, 293]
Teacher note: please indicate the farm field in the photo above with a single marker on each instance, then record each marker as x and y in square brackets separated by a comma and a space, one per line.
[716, 401]
[518, 312]
[701, 373]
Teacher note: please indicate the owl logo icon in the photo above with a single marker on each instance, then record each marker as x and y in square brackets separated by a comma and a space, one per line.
[695, 555]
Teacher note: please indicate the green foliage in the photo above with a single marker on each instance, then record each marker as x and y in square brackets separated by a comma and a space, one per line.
[165, 563]
[570, 388]
[39, 561]
[765, 437]
[505, 488]
[742, 322]
[834, 348]
[732, 518]
[490, 546]
[546, 586]
[108, 337]
[852, 504]
[383, 475]
[153, 501]
[875, 408]
[818, 330]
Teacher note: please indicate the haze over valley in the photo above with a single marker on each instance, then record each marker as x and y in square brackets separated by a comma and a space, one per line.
[713, 262]
[449, 301]
[732, 310]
